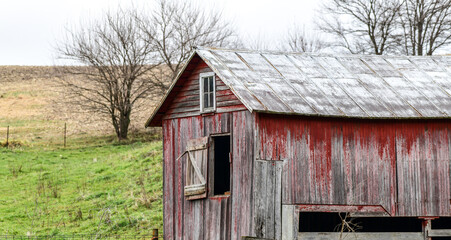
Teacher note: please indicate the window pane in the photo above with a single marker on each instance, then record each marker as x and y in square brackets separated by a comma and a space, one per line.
[205, 84]
[211, 83]
[211, 99]
[206, 100]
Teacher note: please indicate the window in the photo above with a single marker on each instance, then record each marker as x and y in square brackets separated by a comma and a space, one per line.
[201, 157]
[220, 165]
[207, 92]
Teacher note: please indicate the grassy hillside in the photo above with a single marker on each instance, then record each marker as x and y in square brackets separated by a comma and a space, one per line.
[100, 187]
[93, 186]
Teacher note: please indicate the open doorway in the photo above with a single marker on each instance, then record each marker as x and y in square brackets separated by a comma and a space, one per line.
[220, 162]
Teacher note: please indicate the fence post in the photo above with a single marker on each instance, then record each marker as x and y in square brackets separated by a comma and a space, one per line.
[65, 130]
[155, 234]
[7, 136]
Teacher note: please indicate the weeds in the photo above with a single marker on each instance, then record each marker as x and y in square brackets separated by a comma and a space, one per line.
[54, 188]
[12, 144]
[347, 224]
[15, 170]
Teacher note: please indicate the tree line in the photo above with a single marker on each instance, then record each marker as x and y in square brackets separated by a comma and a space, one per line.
[134, 55]
[408, 27]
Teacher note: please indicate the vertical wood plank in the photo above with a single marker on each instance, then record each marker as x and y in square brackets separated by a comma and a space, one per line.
[290, 223]
[259, 196]
[269, 196]
[268, 199]
[449, 162]
[168, 183]
[278, 200]
[242, 157]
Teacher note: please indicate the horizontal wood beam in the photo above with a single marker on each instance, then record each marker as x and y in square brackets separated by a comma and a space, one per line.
[341, 208]
[439, 233]
[255, 238]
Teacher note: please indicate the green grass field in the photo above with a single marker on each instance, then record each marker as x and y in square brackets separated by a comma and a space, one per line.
[94, 186]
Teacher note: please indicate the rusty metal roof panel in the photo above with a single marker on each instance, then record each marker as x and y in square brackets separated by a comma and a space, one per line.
[340, 86]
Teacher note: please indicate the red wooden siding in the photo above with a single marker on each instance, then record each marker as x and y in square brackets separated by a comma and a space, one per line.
[243, 160]
[423, 157]
[186, 99]
[214, 217]
[359, 162]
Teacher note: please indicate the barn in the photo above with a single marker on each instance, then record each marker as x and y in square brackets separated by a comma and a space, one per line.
[303, 146]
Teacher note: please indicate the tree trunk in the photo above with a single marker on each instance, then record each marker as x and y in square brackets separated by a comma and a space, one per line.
[124, 123]
[420, 36]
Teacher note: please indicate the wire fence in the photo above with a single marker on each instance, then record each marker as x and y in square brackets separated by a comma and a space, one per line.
[50, 133]
[153, 236]
[58, 134]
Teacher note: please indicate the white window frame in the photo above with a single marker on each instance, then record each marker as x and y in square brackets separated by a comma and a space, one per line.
[201, 92]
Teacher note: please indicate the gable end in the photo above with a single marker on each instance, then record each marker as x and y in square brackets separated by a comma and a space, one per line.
[183, 97]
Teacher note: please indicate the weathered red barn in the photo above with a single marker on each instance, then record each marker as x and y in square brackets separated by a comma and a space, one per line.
[274, 145]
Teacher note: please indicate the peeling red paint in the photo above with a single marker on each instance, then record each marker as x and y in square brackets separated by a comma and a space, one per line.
[402, 165]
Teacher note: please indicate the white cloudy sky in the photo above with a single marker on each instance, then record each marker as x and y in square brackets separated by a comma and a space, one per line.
[29, 28]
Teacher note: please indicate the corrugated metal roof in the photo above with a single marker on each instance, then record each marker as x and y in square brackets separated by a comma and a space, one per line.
[339, 86]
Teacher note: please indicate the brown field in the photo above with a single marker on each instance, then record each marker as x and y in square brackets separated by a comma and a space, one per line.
[32, 103]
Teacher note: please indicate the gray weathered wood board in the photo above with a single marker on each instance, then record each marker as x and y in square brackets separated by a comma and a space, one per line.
[267, 199]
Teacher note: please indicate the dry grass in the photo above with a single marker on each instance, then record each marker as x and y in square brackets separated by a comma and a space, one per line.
[32, 103]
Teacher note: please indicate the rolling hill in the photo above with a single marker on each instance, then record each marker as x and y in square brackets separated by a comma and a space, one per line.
[94, 186]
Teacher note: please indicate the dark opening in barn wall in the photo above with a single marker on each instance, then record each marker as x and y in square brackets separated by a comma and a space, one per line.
[441, 223]
[221, 165]
[331, 222]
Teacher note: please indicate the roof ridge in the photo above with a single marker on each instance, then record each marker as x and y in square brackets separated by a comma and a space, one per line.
[281, 52]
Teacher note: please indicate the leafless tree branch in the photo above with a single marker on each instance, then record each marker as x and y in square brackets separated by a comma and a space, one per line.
[120, 67]
[299, 40]
[362, 26]
[177, 27]
[426, 25]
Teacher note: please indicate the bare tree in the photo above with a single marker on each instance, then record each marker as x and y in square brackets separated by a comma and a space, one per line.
[259, 42]
[120, 67]
[362, 26]
[299, 40]
[178, 26]
[426, 25]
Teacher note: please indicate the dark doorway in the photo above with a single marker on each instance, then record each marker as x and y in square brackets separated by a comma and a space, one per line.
[221, 164]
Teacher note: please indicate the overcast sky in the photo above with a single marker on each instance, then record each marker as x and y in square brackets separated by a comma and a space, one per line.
[29, 28]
